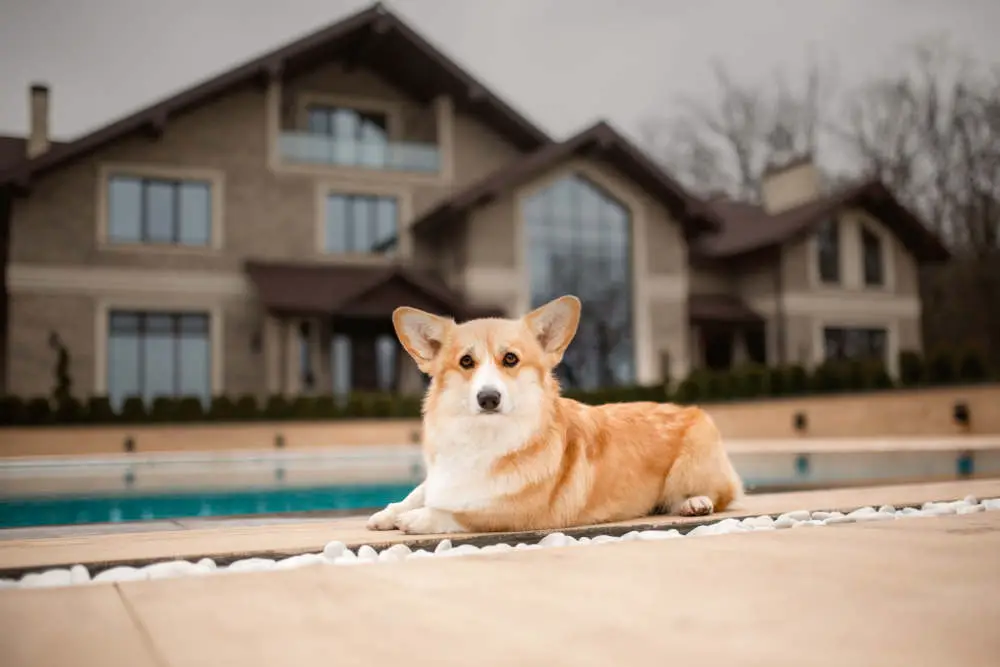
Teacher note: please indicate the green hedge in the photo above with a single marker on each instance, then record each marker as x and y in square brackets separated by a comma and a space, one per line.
[701, 386]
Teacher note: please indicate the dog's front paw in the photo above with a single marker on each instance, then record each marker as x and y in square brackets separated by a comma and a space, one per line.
[426, 521]
[383, 520]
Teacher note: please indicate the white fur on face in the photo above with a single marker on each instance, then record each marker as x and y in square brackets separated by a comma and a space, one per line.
[488, 376]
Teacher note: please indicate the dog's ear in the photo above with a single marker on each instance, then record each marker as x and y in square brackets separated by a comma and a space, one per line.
[422, 334]
[554, 325]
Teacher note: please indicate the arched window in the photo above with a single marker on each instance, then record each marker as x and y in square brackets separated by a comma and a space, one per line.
[579, 241]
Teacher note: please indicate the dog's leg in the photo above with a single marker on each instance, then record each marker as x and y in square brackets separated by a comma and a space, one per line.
[386, 519]
[427, 520]
[696, 506]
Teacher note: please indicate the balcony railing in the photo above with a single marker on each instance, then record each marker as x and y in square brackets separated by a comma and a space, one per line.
[306, 148]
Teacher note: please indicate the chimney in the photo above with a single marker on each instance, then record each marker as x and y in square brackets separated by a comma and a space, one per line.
[38, 113]
[787, 184]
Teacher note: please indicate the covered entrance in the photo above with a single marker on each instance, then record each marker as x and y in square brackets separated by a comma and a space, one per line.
[725, 332]
[329, 327]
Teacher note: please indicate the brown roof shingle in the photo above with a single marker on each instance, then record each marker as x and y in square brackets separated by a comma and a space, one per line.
[355, 290]
[747, 227]
[600, 140]
[405, 58]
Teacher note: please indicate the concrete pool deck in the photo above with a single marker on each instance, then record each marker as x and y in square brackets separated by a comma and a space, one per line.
[105, 545]
[913, 591]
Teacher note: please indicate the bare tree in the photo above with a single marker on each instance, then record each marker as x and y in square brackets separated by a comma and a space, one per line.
[931, 132]
[724, 144]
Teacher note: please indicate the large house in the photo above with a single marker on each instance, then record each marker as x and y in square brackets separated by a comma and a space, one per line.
[252, 235]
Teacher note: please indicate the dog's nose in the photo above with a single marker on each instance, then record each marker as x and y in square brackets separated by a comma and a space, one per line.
[488, 399]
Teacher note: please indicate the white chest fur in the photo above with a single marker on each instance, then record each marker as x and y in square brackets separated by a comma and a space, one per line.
[462, 477]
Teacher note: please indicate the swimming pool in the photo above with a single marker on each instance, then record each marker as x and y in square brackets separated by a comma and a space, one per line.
[62, 510]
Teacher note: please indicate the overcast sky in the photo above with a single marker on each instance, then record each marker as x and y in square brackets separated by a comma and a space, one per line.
[564, 63]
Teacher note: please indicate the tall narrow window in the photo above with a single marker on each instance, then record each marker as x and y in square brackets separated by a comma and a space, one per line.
[579, 241]
[307, 377]
[158, 354]
[828, 251]
[386, 354]
[871, 251]
[358, 138]
[361, 224]
[340, 358]
[159, 211]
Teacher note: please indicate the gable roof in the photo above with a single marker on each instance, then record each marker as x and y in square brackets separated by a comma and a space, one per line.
[600, 140]
[748, 228]
[13, 150]
[354, 289]
[374, 35]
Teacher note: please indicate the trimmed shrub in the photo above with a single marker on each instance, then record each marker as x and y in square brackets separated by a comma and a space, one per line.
[13, 411]
[164, 409]
[189, 409]
[133, 410]
[911, 369]
[246, 409]
[277, 408]
[99, 410]
[941, 368]
[38, 411]
[751, 381]
[68, 410]
[972, 367]
[828, 378]
[223, 408]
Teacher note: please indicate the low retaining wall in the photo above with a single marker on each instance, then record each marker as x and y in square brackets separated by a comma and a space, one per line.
[900, 413]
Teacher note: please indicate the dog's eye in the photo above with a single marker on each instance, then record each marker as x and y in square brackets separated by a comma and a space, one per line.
[510, 360]
[466, 362]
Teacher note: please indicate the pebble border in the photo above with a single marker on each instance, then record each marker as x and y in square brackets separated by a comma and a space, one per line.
[337, 553]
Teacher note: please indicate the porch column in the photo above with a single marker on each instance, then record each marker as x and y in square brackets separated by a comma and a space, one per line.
[291, 354]
[740, 356]
[322, 358]
[273, 335]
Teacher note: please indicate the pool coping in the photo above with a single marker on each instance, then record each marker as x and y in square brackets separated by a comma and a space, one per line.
[281, 540]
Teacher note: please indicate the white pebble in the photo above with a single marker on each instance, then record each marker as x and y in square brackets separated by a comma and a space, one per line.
[520, 546]
[887, 508]
[822, 516]
[707, 529]
[648, 535]
[394, 553]
[583, 540]
[300, 560]
[208, 564]
[862, 512]
[554, 540]
[251, 565]
[971, 509]
[8, 583]
[462, 550]
[797, 515]
[419, 553]
[759, 521]
[443, 545]
[168, 569]
[604, 539]
[830, 521]
[500, 548]
[909, 511]
[79, 574]
[122, 573]
[970, 500]
[991, 504]
[349, 560]
[57, 577]
[630, 536]
[367, 553]
[808, 524]
[334, 550]
[784, 522]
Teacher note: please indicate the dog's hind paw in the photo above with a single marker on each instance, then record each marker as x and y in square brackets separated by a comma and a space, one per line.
[696, 506]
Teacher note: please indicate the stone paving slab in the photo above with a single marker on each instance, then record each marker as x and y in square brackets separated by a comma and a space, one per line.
[918, 591]
[230, 543]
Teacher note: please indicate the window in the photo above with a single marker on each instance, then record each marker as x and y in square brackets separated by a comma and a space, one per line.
[828, 251]
[579, 241]
[158, 354]
[306, 376]
[361, 223]
[159, 211]
[386, 351]
[841, 343]
[871, 251]
[359, 137]
[340, 359]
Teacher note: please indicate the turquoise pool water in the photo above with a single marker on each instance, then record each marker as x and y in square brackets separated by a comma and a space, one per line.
[61, 510]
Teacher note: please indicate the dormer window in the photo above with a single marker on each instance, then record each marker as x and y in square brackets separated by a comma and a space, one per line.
[828, 251]
[871, 253]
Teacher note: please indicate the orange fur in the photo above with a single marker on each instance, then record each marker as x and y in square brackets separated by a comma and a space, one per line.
[544, 461]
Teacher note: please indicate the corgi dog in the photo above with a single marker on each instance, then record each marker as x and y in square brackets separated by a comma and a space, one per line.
[505, 452]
